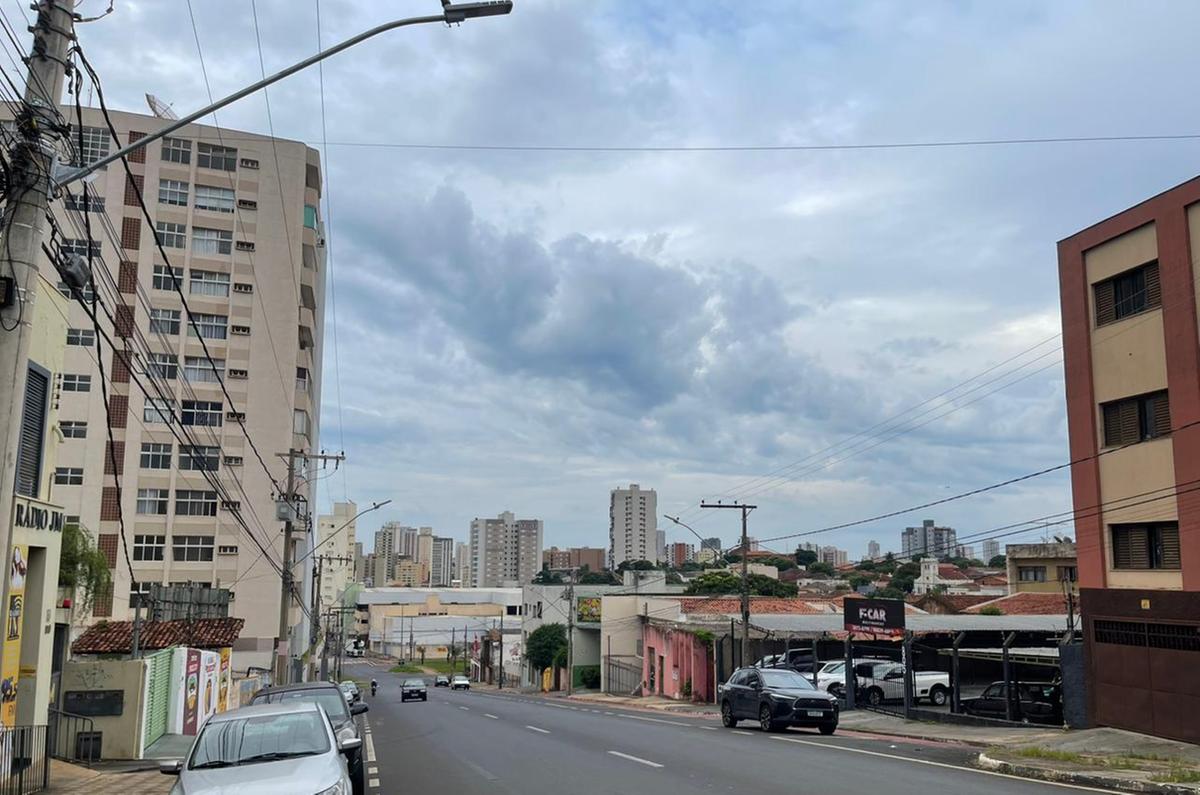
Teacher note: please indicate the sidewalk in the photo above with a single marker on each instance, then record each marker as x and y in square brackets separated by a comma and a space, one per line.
[68, 778]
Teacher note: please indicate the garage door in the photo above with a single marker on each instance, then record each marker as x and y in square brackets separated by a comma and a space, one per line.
[158, 696]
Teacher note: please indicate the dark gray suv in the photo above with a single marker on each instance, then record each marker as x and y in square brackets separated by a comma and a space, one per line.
[329, 696]
[776, 698]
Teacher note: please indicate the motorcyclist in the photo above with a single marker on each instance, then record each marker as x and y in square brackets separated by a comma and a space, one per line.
[374, 687]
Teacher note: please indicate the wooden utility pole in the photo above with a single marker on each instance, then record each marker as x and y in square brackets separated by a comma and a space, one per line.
[745, 509]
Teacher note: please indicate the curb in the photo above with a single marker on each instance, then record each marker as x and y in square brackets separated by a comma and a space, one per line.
[923, 738]
[986, 762]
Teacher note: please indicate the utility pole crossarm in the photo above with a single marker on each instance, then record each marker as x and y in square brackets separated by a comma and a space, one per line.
[745, 509]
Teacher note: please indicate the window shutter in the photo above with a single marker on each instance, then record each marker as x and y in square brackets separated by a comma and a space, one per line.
[1168, 538]
[137, 155]
[107, 544]
[1153, 286]
[33, 433]
[1162, 414]
[1130, 431]
[1106, 307]
[131, 233]
[124, 321]
[133, 186]
[1112, 424]
[118, 410]
[1139, 548]
[114, 461]
[110, 506]
[127, 280]
[120, 367]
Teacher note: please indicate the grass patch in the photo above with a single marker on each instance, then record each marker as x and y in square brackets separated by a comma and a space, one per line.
[406, 669]
[444, 667]
[1179, 775]
[1045, 753]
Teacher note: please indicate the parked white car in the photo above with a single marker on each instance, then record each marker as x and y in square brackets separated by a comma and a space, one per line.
[832, 675]
[884, 681]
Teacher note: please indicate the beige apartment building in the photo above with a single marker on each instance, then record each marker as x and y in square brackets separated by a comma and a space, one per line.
[633, 526]
[239, 220]
[336, 551]
[505, 551]
[1041, 568]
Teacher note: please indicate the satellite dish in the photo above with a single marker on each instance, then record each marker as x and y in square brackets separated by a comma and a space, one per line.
[159, 108]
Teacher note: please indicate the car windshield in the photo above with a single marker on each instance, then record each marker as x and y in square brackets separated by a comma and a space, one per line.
[332, 700]
[460, 678]
[261, 738]
[777, 678]
[414, 682]
[833, 668]
[347, 686]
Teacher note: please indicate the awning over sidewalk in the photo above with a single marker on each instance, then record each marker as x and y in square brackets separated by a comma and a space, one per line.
[1046, 655]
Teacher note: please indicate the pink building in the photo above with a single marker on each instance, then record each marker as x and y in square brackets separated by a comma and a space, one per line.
[677, 663]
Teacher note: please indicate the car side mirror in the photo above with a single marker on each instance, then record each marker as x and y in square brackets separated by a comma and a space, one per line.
[171, 767]
[358, 708]
[349, 744]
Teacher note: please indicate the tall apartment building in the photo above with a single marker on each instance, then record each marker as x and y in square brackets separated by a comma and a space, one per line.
[505, 551]
[928, 539]
[240, 223]
[872, 550]
[991, 548]
[393, 541]
[680, 553]
[424, 554]
[441, 562]
[633, 526]
[337, 548]
[834, 556]
[409, 573]
[462, 564]
[594, 558]
[1131, 344]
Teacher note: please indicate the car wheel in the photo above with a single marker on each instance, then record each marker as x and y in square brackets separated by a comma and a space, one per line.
[727, 719]
[765, 721]
[827, 728]
[938, 696]
[874, 696]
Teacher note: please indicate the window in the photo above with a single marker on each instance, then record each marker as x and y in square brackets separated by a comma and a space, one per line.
[1136, 419]
[95, 144]
[201, 368]
[1146, 546]
[164, 321]
[77, 245]
[173, 191]
[81, 336]
[300, 422]
[165, 277]
[200, 459]
[243, 287]
[152, 502]
[241, 330]
[227, 550]
[249, 162]
[1068, 574]
[172, 235]
[176, 150]
[212, 327]
[67, 292]
[68, 476]
[72, 382]
[163, 365]
[211, 242]
[1129, 293]
[233, 460]
[209, 283]
[191, 548]
[73, 429]
[157, 410]
[156, 455]
[302, 379]
[201, 412]
[1031, 573]
[310, 216]
[147, 547]
[194, 502]
[139, 592]
[95, 204]
[222, 158]
[212, 198]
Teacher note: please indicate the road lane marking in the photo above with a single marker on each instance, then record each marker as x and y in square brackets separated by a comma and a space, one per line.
[490, 715]
[465, 709]
[656, 720]
[935, 764]
[709, 728]
[536, 729]
[748, 734]
[480, 770]
[637, 759]
[373, 782]
[372, 770]
[608, 713]
[370, 749]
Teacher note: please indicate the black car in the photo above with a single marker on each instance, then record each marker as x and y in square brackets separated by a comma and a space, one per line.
[776, 698]
[441, 680]
[341, 715]
[1036, 702]
[413, 688]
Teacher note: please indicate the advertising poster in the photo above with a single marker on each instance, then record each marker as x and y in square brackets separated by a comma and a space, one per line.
[224, 681]
[874, 616]
[210, 664]
[10, 652]
[588, 610]
[191, 691]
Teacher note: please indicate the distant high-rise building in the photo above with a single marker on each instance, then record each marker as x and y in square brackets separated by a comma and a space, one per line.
[964, 551]
[633, 526]
[680, 553]
[462, 564]
[575, 558]
[660, 546]
[833, 556]
[441, 562]
[409, 573]
[392, 541]
[991, 548]
[712, 542]
[335, 537]
[506, 551]
[424, 554]
[928, 539]
[872, 550]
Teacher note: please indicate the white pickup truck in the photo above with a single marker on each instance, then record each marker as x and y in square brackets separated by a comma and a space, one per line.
[884, 681]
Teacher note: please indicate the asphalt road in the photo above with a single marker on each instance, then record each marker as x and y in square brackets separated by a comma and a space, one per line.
[490, 742]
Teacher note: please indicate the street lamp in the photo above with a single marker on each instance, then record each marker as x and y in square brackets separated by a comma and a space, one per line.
[451, 13]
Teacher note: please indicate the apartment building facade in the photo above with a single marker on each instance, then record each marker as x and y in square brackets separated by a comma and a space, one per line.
[594, 558]
[679, 553]
[1041, 568]
[336, 551]
[240, 223]
[441, 562]
[505, 551]
[928, 539]
[633, 526]
[1131, 345]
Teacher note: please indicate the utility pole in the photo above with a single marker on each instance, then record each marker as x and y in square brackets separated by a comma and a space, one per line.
[745, 509]
[318, 571]
[24, 221]
[571, 633]
[287, 511]
[502, 612]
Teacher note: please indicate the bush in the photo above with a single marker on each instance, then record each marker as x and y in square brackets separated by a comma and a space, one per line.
[991, 610]
[589, 676]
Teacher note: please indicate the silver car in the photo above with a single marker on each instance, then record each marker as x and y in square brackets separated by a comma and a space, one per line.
[267, 749]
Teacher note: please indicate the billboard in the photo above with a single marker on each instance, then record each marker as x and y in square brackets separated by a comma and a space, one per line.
[10, 649]
[587, 609]
[873, 616]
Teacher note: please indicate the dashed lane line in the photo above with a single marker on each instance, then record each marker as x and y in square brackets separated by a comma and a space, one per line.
[465, 709]
[370, 749]
[490, 715]
[637, 759]
[747, 734]
[536, 729]
[373, 782]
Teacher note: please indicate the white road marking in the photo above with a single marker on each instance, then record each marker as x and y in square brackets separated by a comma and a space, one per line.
[465, 709]
[490, 715]
[637, 759]
[372, 782]
[536, 729]
[370, 749]
[656, 720]
[608, 713]
[372, 770]
[709, 728]
[480, 770]
[748, 734]
[934, 764]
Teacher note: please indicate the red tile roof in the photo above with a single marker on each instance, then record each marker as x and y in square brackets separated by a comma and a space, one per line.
[1026, 604]
[993, 579]
[723, 605]
[114, 637]
[953, 603]
[948, 571]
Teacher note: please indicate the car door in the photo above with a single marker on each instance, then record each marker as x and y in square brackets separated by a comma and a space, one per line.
[748, 699]
[991, 703]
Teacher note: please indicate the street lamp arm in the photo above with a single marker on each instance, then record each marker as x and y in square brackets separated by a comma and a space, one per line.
[346, 524]
[451, 13]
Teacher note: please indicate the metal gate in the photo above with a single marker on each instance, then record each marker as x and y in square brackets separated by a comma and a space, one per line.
[623, 675]
[158, 696]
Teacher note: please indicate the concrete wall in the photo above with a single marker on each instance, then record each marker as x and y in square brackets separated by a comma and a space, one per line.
[677, 657]
[122, 734]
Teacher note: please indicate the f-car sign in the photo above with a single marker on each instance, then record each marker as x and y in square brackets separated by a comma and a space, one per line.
[874, 616]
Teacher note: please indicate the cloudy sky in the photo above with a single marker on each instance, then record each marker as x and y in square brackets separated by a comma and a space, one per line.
[525, 330]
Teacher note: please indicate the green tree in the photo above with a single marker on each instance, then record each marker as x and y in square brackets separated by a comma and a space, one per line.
[82, 566]
[820, 568]
[990, 610]
[762, 585]
[545, 644]
[781, 563]
[858, 580]
[636, 565]
[866, 565]
[727, 582]
[805, 557]
[673, 578]
[889, 593]
[998, 562]
[598, 578]
[547, 577]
